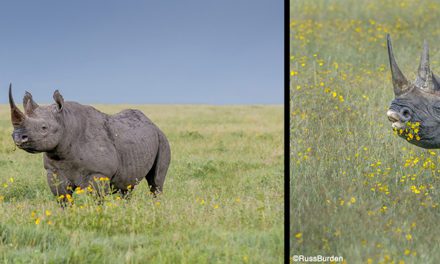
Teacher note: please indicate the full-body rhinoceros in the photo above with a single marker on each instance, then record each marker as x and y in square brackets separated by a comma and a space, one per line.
[415, 110]
[82, 144]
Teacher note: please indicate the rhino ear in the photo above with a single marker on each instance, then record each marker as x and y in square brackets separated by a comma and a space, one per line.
[29, 104]
[59, 100]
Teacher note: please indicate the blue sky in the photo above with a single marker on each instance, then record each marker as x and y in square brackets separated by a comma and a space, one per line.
[152, 52]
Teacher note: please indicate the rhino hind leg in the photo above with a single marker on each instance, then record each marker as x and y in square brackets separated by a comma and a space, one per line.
[156, 175]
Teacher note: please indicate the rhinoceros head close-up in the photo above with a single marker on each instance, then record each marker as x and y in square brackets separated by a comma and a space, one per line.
[415, 110]
[39, 128]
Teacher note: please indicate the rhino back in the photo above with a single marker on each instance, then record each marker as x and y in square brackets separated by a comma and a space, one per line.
[136, 140]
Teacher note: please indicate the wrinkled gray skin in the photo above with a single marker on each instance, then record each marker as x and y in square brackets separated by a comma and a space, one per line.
[417, 101]
[80, 143]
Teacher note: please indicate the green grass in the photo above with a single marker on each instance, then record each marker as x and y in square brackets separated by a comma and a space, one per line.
[222, 201]
[358, 190]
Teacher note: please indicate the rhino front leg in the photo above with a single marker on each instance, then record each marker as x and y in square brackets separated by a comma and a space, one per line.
[99, 183]
[60, 186]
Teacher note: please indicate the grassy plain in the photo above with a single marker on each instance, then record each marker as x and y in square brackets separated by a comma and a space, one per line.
[222, 201]
[357, 190]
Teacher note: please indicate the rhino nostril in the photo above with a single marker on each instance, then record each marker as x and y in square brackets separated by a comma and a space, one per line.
[24, 138]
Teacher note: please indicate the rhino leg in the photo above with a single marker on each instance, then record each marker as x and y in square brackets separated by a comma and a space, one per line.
[99, 183]
[59, 185]
[156, 175]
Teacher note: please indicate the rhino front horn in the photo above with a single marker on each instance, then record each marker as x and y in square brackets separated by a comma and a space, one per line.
[400, 83]
[17, 116]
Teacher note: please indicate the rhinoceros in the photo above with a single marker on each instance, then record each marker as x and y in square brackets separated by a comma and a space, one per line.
[81, 144]
[415, 110]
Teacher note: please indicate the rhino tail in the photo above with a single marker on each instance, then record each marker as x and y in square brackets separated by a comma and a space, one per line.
[156, 176]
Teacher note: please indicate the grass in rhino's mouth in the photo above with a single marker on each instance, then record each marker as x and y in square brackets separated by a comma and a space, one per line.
[410, 131]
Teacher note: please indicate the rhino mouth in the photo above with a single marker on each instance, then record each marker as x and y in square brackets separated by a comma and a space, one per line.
[33, 151]
[396, 120]
[27, 148]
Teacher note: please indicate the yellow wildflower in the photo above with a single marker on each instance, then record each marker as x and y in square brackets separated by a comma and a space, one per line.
[69, 198]
[78, 190]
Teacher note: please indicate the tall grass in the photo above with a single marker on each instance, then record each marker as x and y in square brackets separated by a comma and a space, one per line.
[222, 200]
[359, 191]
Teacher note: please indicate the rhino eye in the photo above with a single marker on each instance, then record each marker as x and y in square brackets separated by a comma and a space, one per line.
[44, 127]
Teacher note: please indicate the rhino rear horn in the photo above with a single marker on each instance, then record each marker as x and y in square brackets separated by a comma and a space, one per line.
[17, 117]
[29, 104]
[425, 78]
[400, 83]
